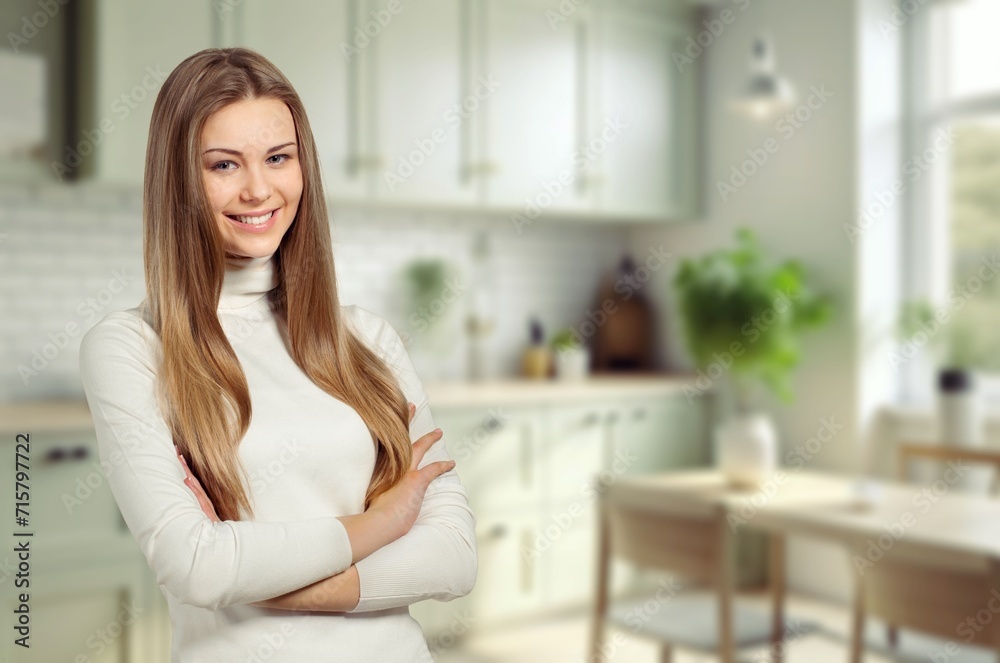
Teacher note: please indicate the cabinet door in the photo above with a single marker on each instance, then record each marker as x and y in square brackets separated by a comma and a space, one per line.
[421, 101]
[659, 434]
[510, 576]
[136, 46]
[576, 445]
[319, 50]
[496, 453]
[648, 116]
[531, 118]
[93, 613]
[569, 533]
[71, 502]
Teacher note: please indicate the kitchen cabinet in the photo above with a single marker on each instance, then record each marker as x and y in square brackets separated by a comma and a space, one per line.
[646, 110]
[89, 582]
[382, 82]
[506, 438]
[327, 71]
[421, 100]
[531, 120]
[133, 47]
[101, 613]
[539, 528]
[575, 450]
[507, 106]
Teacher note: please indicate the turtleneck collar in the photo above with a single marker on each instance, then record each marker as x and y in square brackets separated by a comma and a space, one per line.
[246, 281]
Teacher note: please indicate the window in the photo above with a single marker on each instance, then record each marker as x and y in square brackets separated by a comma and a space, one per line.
[953, 261]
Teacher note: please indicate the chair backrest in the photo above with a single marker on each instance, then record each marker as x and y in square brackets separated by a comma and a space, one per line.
[688, 544]
[909, 451]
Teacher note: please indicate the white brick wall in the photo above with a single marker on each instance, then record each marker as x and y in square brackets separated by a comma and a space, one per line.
[64, 246]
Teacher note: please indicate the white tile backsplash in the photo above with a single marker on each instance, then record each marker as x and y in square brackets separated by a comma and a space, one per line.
[64, 245]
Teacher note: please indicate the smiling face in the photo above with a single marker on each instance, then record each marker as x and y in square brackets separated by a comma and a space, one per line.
[250, 166]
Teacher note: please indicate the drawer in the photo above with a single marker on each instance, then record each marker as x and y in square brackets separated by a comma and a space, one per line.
[69, 494]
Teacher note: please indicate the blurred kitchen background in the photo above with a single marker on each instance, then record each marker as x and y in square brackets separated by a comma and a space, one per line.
[570, 210]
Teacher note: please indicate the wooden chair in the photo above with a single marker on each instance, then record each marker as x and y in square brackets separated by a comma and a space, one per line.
[929, 598]
[909, 451]
[695, 543]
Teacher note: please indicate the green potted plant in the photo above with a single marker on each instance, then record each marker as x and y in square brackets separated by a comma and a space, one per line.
[572, 359]
[742, 317]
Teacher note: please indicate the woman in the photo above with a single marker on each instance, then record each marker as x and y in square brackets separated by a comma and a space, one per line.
[299, 520]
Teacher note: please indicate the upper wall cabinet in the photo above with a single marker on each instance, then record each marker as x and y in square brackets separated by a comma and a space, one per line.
[643, 115]
[129, 50]
[531, 67]
[523, 107]
[420, 101]
[314, 48]
[383, 86]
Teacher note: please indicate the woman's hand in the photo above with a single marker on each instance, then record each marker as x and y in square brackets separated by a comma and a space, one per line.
[399, 506]
[192, 482]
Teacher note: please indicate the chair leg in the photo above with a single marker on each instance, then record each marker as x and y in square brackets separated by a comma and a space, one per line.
[858, 622]
[725, 585]
[666, 654]
[601, 585]
[995, 573]
[777, 555]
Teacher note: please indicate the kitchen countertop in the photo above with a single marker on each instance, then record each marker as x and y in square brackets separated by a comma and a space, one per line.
[69, 415]
[535, 392]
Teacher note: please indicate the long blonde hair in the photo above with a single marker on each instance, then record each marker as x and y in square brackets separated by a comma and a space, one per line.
[201, 387]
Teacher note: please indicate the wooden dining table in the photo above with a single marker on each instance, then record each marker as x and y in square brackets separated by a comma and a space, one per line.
[937, 532]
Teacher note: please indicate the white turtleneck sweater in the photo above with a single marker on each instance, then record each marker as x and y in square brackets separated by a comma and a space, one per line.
[310, 458]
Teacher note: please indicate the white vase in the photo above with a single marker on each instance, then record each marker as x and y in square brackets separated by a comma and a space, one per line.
[573, 364]
[961, 415]
[746, 449]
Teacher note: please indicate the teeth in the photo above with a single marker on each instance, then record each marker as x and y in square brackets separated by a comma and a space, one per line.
[255, 220]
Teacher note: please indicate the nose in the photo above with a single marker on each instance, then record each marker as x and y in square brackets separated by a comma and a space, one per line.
[256, 186]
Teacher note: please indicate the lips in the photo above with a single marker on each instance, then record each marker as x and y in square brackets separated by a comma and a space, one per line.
[253, 218]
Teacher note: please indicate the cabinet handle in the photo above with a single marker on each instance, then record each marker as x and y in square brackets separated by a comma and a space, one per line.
[527, 572]
[464, 78]
[498, 531]
[353, 99]
[66, 454]
[582, 92]
[374, 161]
[595, 180]
[526, 456]
[480, 168]
[493, 424]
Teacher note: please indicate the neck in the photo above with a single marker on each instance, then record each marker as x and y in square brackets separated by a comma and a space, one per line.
[247, 280]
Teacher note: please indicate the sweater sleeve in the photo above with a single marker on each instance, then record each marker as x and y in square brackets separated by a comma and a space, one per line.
[437, 558]
[203, 563]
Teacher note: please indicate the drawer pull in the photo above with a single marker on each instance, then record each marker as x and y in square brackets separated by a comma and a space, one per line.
[498, 531]
[527, 459]
[67, 454]
[527, 570]
[492, 425]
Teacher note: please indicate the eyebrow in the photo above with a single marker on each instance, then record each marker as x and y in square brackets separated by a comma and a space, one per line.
[239, 154]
